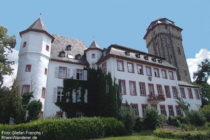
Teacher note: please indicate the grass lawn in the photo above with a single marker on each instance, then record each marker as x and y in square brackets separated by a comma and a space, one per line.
[146, 135]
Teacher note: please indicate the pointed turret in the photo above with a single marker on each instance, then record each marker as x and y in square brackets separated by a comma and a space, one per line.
[94, 45]
[37, 26]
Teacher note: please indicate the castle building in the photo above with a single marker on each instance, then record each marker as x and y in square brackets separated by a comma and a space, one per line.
[152, 79]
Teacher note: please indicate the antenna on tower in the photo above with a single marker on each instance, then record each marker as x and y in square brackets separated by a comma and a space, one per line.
[40, 14]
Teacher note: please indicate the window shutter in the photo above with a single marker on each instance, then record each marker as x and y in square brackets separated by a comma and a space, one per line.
[86, 96]
[74, 97]
[68, 73]
[56, 72]
[55, 95]
[85, 74]
[75, 74]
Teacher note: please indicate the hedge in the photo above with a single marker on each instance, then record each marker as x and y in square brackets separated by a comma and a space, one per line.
[186, 135]
[65, 129]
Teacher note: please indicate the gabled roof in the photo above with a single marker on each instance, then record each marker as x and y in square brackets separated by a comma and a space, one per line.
[37, 26]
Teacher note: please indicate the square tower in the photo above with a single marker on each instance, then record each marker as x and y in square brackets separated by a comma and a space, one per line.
[164, 39]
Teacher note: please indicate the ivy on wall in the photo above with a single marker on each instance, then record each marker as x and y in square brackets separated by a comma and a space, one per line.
[101, 99]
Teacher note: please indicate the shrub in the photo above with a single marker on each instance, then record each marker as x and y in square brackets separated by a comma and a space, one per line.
[127, 116]
[178, 121]
[186, 135]
[196, 118]
[65, 129]
[206, 111]
[34, 109]
[139, 125]
[150, 118]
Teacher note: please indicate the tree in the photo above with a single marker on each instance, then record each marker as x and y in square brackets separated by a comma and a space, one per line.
[201, 77]
[34, 109]
[103, 96]
[10, 105]
[203, 73]
[185, 107]
[6, 45]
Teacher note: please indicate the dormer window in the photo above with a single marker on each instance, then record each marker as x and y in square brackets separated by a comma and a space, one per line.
[68, 47]
[159, 61]
[78, 56]
[93, 55]
[137, 55]
[154, 59]
[62, 54]
[146, 57]
[127, 53]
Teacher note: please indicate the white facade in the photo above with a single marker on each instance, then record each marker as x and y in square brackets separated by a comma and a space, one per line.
[44, 62]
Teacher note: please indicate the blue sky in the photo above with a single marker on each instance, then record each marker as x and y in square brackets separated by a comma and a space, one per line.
[108, 22]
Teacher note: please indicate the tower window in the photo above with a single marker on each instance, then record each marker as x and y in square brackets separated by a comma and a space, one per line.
[24, 44]
[45, 71]
[68, 47]
[28, 68]
[93, 55]
[25, 89]
[179, 51]
[62, 54]
[47, 47]
[43, 92]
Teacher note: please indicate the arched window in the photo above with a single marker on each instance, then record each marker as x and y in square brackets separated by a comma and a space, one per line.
[62, 54]
[68, 47]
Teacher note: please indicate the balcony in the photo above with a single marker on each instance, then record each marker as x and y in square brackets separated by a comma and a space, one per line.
[154, 99]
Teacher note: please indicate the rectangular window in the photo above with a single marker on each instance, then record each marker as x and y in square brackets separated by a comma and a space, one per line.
[122, 87]
[149, 71]
[47, 47]
[132, 85]
[144, 106]
[120, 65]
[151, 89]
[62, 72]
[80, 74]
[156, 72]
[135, 108]
[171, 110]
[175, 92]
[24, 44]
[197, 94]
[140, 69]
[171, 75]
[45, 71]
[142, 89]
[159, 90]
[43, 92]
[104, 68]
[130, 67]
[163, 110]
[167, 91]
[190, 93]
[28, 68]
[183, 95]
[164, 74]
[25, 89]
[59, 94]
[178, 110]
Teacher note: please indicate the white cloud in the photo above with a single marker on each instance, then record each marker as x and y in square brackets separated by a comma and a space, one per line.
[9, 79]
[194, 62]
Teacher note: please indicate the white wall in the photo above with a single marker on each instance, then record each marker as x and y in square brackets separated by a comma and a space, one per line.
[112, 68]
[50, 108]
